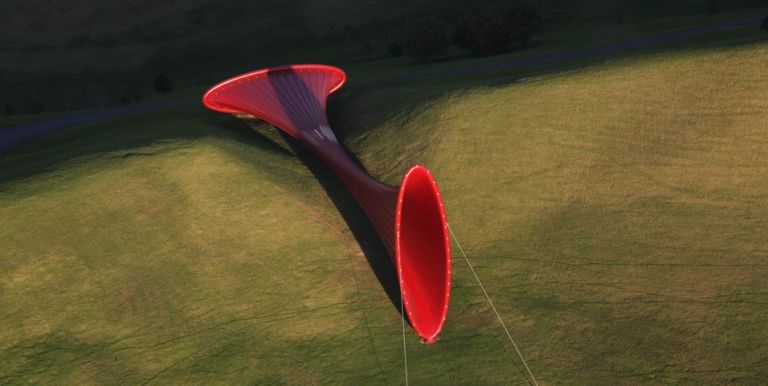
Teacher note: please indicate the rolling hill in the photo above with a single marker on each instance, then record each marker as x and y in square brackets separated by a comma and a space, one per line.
[616, 213]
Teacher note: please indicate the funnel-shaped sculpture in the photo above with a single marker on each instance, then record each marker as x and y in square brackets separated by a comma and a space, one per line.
[410, 219]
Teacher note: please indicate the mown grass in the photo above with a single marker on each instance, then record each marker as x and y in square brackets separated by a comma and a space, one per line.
[615, 214]
[211, 257]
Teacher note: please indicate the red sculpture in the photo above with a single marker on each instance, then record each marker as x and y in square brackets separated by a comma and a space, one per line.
[410, 219]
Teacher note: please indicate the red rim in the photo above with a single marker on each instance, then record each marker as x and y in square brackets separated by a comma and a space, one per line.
[208, 97]
[420, 175]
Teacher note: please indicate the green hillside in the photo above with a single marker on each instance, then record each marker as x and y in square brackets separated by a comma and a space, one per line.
[616, 214]
[614, 209]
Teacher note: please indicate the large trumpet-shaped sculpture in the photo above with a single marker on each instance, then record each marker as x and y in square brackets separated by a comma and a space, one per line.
[410, 219]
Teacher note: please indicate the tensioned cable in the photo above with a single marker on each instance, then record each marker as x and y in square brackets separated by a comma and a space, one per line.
[492, 306]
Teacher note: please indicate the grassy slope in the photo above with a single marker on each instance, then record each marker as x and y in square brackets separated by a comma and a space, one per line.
[198, 259]
[615, 214]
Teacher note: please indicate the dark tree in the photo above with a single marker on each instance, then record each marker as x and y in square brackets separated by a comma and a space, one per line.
[79, 42]
[764, 23]
[424, 39]
[163, 84]
[461, 35]
[483, 34]
[491, 31]
[34, 106]
[368, 51]
[331, 36]
[713, 8]
[395, 49]
[525, 17]
[8, 110]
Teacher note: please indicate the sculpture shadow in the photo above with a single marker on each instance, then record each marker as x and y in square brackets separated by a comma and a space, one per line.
[360, 226]
[345, 203]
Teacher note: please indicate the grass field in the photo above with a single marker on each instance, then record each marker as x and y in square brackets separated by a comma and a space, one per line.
[616, 213]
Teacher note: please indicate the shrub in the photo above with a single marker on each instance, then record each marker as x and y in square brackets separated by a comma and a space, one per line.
[424, 39]
[163, 84]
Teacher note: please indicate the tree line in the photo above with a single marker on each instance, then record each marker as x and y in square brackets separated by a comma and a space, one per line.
[480, 32]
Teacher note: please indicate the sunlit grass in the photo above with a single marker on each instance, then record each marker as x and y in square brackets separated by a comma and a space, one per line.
[617, 213]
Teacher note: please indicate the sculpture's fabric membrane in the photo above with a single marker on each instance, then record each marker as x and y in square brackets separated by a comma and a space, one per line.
[410, 219]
